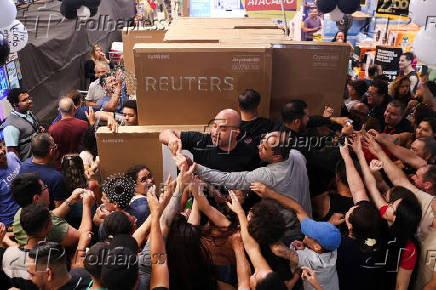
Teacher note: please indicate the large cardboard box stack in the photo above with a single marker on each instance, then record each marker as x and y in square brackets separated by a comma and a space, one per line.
[187, 83]
[313, 72]
[131, 36]
[135, 145]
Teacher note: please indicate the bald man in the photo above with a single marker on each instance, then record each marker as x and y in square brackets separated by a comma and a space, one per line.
[285, 173]
[67, 133]
[219, 147]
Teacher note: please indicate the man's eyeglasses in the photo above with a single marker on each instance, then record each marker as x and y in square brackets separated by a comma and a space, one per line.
[54, 147]
[44, 187]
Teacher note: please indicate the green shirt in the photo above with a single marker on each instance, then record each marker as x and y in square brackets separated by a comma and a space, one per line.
[57, 232]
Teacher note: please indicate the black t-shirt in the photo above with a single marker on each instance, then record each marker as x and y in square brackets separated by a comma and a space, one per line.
[402, 127]
[80, 279]
[379, 111]
[253, 131]
[242, 158]
[356, 270]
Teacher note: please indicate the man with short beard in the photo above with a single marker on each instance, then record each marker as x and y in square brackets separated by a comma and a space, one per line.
[220, 148]
[21, 125]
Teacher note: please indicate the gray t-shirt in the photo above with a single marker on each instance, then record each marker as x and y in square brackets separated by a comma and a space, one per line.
[95, 91]
[324, 266]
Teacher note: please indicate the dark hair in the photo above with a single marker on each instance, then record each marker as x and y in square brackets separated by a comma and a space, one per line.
[48, 254]
[282, 148]
[189, 262]
[398, 104]
[266, 224]
[120, 274]
[132, 172]
[132, 105]
[34, 218]
[14, 96]
[372, 70]
[249, 100]
[95, 258]
[89, 143]
[382, 78]
[271, 281]
[41, 145]
[360, 87]
[74, 172]
[76, 96]
[409, 56]
[431, 122]
[429, 146]
[341, 169]
[381, 86]
[24, 187]
[117, 223]
[431, 85]
[407, 216]
[124, 240]
[293, 110]
[422, 111]
[430, 176]
[103, 78]
[367, 224]
[336, 35]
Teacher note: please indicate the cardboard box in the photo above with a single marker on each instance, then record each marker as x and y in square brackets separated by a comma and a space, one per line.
[134, 145]
[131, 36]
[190, 83]
[313, 72]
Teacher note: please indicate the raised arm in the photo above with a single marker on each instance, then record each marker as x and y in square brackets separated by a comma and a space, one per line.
[251, 246]
[353, 178]
[402, 153]
[159, 265]
[395, 174]
[64, 208]
[370, 181]
[171, 138]
[242, 265]
[263, 191]
[235, 180]
[174, 205]
[212, 213]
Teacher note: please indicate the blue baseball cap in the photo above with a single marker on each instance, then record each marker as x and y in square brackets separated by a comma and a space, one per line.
[326, 234]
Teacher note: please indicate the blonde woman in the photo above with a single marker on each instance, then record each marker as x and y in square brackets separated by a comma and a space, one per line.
[97, 55]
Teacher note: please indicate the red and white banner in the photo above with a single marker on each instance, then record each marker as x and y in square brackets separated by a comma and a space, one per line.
[260, 5]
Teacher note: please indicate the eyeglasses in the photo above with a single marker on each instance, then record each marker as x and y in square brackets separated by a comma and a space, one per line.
[54, 147]
[44, 187]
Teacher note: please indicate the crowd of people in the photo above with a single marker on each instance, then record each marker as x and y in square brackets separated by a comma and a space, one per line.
[342, 200]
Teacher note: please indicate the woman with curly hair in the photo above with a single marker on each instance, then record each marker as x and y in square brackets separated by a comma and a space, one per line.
[400, 89]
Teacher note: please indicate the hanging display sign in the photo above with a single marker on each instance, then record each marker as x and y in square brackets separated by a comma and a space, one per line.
[271, 8]
[393, 8]
[388, 58]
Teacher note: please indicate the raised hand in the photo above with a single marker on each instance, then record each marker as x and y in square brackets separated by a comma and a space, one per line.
[375, 165]
[153, 202]
[235, 206]
[337, 219]
[260, 189]
[372, 145]
[310, 276]
[175, 146]
[90, 116]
